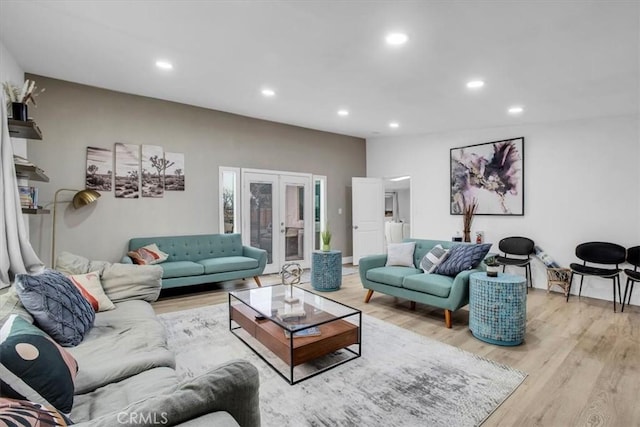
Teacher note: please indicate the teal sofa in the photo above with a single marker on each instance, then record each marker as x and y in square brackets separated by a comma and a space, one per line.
[449, 293]
[204, 258]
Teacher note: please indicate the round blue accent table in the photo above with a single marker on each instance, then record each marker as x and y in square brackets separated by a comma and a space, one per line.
[498, 308]
[326, 270]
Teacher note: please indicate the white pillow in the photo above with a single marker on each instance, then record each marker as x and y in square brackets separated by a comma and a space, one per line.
[400, 254]
[433, 258]
[90, 287]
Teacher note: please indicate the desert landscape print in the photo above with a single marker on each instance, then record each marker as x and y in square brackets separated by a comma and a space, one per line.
[174, 171]
[153, 167]
[127, 171]
[99, 172]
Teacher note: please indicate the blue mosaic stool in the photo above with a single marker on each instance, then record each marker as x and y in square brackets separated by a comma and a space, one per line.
[326, 270]
[498, 308]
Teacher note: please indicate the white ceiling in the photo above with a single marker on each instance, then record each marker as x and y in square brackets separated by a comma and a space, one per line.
[560, 59]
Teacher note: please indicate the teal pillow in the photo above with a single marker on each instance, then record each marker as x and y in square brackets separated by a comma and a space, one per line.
[57, 306]
[34, 367]
[463, 257]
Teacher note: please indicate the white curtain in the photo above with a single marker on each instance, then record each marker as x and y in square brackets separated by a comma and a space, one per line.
[16, 254]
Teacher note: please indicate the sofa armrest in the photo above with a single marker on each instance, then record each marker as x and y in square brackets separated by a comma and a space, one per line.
[459, 294]
[369, 262]
[232, 387]
[256, 253]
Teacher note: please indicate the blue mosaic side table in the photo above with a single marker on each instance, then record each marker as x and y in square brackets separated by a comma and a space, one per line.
[498, 308]
[326, 270]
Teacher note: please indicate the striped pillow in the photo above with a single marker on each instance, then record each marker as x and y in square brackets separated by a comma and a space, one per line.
[148, 255]
[90, 287]
[433, 258]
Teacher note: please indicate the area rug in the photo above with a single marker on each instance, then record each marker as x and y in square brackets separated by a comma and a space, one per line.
[402, 379]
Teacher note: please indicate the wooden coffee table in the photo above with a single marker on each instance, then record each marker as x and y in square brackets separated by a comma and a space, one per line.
[256, 318]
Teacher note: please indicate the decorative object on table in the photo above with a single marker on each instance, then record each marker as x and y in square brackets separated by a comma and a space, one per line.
[153, 168]
[19, 97]
[492, 174]
[556, 275]
[174, 174]
[290, 275]
[479, 237]
[99, 169]
[80, 199]
[457, 237]
[633, 276]
[467, 218]
[326, 239]
[604, 253]
[492, 266]
[515, 250]
[326, 270]
[498, 308]
[127, 171]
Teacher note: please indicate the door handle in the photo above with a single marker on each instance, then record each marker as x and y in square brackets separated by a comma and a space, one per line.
[355, 227]
[282, 230]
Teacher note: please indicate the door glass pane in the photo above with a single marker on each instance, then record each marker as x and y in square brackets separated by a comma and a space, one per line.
[316, 213]
[294, 222]
[229, 201]
[261, 217]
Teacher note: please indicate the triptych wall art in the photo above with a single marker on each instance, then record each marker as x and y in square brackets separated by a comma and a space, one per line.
[489, 174]
[145, 170]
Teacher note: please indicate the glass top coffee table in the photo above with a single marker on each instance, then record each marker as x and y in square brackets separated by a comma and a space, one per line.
[298, 333]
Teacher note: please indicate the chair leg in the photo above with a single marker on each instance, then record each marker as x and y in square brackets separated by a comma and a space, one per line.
[503, 267]
[413, 305]
[624, 299]
[368, 297]
[257, 279]
[447, 318]
[570, 283]
[619, 293]
[633, 282]
[580, 291]
[614, 294]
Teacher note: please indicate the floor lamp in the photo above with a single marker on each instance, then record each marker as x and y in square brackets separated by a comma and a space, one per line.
[80, 199]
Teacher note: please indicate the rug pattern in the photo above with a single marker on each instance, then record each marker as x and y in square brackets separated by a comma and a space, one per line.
[402, 378]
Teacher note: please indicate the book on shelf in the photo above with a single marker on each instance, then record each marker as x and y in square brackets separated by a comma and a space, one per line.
[313, 331]
[28, 196]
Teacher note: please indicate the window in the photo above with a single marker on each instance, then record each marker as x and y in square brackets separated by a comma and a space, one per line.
[229, 206]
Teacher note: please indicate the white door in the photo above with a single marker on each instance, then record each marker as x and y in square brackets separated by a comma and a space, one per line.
[296, 219]
[260, 204]
[368, 217]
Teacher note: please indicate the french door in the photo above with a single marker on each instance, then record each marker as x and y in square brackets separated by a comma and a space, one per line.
[277, 216]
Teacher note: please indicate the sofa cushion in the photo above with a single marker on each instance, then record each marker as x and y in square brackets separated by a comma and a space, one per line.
[122, 343]
[114, 397]
[463, 257]
[34, 367]
[181, 269]
[433, 284]
[228, 263]
[400, 254]
[393, 276]
[194, 247]
[57, 305]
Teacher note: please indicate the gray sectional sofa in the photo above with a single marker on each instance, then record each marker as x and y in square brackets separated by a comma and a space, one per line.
[126, 372]
[204, 258]
[449, 293]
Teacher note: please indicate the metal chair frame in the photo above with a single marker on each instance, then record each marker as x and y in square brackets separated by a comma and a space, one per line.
[517, 245]
[633, 276]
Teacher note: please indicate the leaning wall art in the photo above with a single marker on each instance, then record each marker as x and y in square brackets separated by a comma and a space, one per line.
[153, 166]
[174, 171]
[127, 171]
[99, 172]
[491, 174]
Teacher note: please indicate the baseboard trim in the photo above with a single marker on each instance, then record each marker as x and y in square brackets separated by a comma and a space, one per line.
[347, 260]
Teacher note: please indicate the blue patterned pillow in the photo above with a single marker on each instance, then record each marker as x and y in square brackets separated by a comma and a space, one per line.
[463, 257]
[57, 306]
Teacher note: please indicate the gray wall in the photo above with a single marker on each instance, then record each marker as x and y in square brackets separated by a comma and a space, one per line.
[73, 117]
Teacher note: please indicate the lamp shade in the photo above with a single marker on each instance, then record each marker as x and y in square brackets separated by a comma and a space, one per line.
[85, 197]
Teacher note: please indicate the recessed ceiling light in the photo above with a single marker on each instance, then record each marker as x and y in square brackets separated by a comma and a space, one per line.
[165, 65]
[475, 84]
[400, 178]
[515, 110]
[394, 125]
[396, 39]
[343, 113]
[268, 92]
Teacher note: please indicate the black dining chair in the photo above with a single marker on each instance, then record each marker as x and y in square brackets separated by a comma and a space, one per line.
[520, 247]
[602, 253]
[633, 276]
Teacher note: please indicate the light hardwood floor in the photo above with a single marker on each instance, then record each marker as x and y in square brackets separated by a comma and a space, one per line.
[582, 359]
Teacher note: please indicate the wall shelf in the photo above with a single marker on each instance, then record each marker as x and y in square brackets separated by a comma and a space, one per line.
[24, 129]
[34, 211]
[31, 172]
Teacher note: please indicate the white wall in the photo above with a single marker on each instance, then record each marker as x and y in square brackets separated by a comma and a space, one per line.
[582, 183]
[10, 71]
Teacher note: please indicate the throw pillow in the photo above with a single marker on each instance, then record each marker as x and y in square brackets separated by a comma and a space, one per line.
[463, 257]
[56, 305]
[91, 289]
[433, 258]
[30, 414]
[34, 367]
[148, 255]
[400, 254]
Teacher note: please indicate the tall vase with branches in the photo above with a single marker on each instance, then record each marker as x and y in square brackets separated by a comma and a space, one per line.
[467, 218]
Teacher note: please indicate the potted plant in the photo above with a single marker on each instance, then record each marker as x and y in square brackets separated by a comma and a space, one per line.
[492, 266]
[19, 97]
[326, 240]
